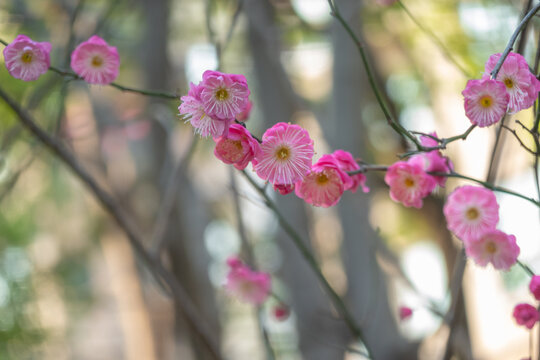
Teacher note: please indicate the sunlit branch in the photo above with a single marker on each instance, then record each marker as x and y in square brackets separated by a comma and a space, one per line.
[435, 39]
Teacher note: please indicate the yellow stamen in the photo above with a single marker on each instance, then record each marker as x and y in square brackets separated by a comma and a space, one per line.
[27, 56]
[486, 101]
[509, 83]
[97, 61]
[222, 94]
[321, 179]
[283, 153]
[491, 248]
[472, 214]
[409, 182]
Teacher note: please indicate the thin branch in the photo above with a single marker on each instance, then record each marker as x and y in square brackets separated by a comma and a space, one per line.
[519, 140]
[436, 40]
[526, 267]
[371, 79]
[494, 160]
[512, 40]
[169, 198]
[310, 259]
[73, 76]
[162, 275]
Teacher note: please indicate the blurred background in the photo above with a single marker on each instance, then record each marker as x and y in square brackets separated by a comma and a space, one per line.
[71, 286]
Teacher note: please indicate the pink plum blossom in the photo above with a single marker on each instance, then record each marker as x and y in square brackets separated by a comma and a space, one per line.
[409, 183]
[526, 315]
[495, 247]
[224, 96]
[96, 61]
[248, 285]
[470, 211]
[281, 312]
[284, 189]
[243, 116]
[285, 156]
[193, 107]
[434, 161]
[237, 148]
[405, 312]
[26, 59]
[346, 163]
[534, 286]
[486, 101]
[323, 185]
[520, 83]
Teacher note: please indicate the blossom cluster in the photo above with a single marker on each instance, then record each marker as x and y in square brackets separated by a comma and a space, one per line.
[526, 314]
[249, 286]
[217, 105]
[93, 60]
[410, 181]
[514, 89]
[472, 214]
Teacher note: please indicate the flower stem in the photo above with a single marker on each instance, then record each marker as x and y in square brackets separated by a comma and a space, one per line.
[308, 256]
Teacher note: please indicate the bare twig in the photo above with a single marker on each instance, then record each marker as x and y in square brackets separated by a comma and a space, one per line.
[436, 40]
[520, 141]
[310, 259]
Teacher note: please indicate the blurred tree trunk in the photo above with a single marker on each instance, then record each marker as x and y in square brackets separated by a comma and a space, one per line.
[367, 287]
[188, 219]
[321, 336]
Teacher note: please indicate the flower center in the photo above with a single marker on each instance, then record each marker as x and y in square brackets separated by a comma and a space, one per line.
[409, 182]
[486, 101]
[472, 214]
[283, 153]
[222, 94]
[321, 179]
[509, 83]
[27, 56]
[491, 248]
[97, 61]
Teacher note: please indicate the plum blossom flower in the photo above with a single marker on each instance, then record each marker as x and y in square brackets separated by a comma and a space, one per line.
[346, 163]
[409, 183]
[224, 96]
[96, 61]
[486, 101]
[285, 156]
[237, 148]
[248, 285]
[281, 312]
[470, 211]
[433, 161]
[534, 286]
[243, 116]
[323, 185]
[204, 124]
[405, 312]
[26, 59]
[526, 315]
[284, 189]
[495, 247]
[522, 86]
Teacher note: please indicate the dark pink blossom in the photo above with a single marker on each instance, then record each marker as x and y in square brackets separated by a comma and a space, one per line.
[534, 286]
[237, 148]
[526, 315]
